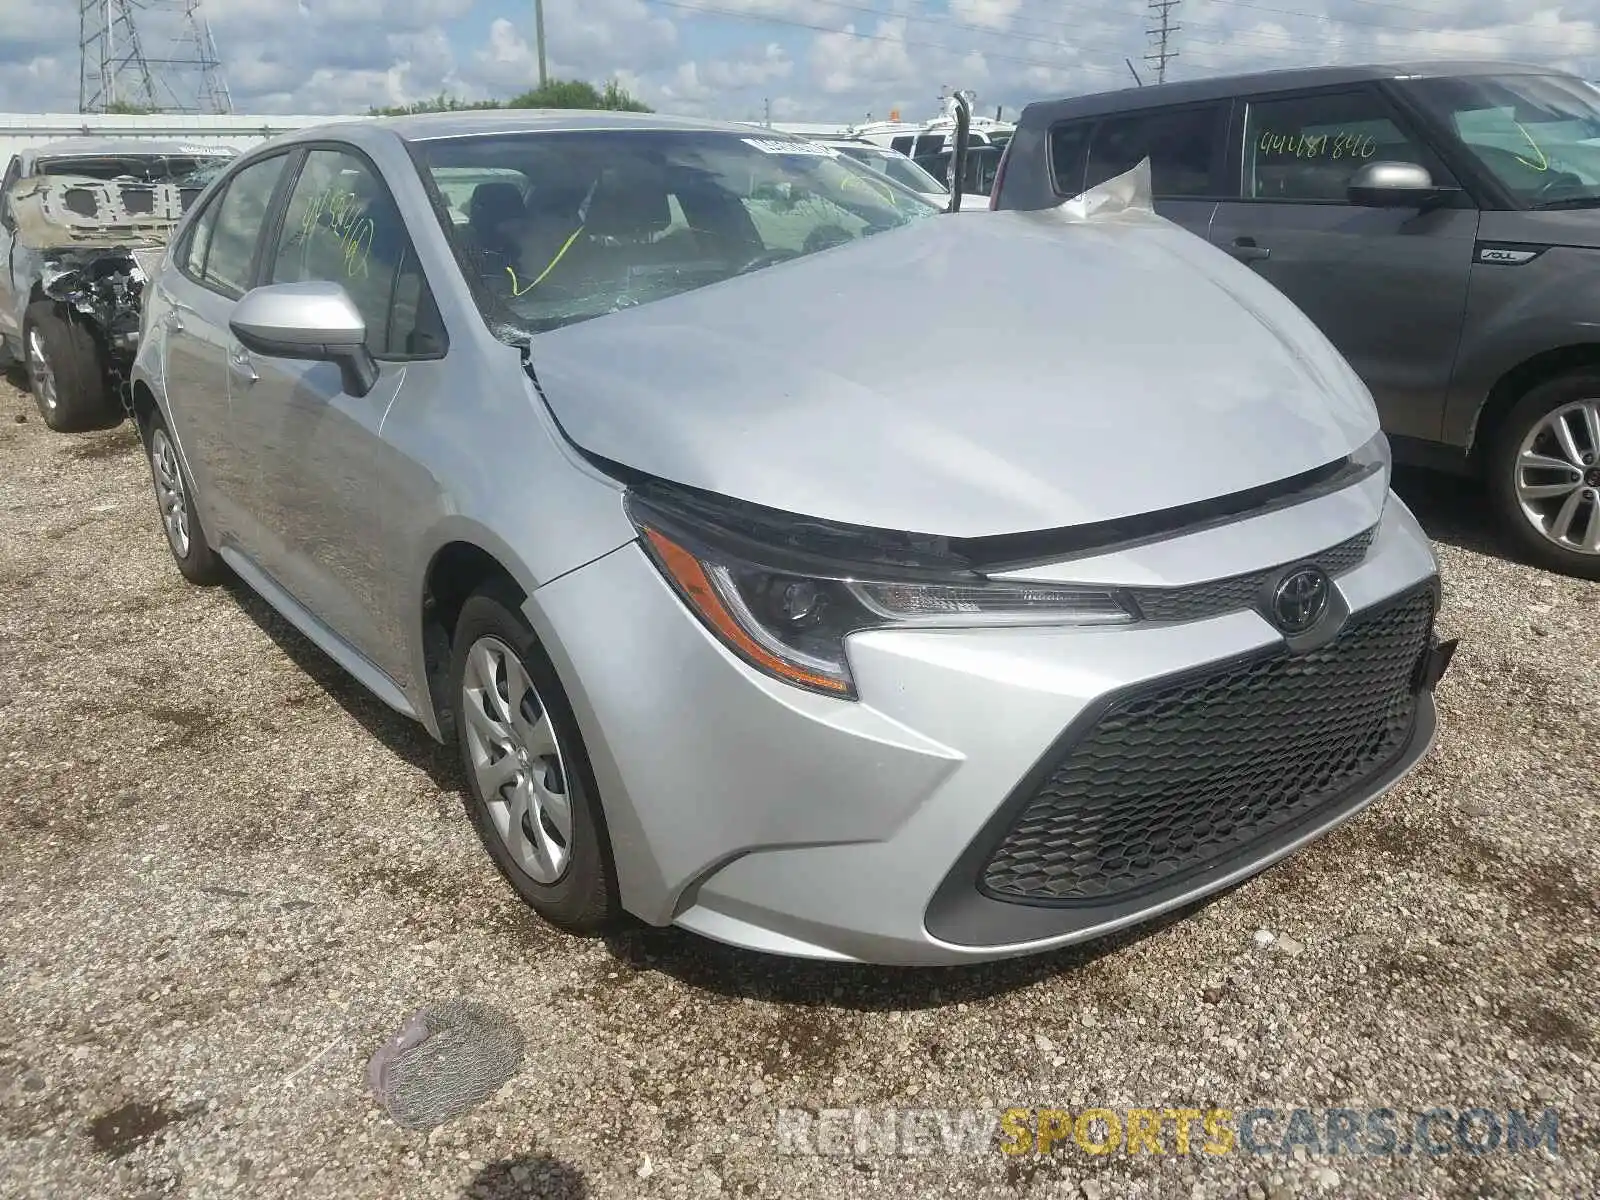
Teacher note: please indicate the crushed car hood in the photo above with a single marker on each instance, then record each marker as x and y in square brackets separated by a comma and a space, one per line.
[967, 378]
[59, 212]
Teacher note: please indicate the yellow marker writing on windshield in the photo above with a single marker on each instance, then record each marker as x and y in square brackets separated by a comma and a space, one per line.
[1544, 163]
[511, 271]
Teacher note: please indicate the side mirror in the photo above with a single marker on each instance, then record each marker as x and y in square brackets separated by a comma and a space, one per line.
[1393, 185]
[316, 321]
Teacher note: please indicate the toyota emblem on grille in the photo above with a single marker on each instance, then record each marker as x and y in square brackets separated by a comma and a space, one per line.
[1300, 599]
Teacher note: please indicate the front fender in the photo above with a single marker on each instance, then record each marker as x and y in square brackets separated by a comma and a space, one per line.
[1516, 313]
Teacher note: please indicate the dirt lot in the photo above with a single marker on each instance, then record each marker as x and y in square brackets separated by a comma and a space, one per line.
[228, 875]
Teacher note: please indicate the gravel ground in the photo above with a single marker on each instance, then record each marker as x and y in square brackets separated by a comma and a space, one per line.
[228, 875]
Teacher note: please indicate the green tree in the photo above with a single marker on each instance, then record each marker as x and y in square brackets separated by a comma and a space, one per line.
[440, 103]
[558, 93]
[127, 108]
[579, 93]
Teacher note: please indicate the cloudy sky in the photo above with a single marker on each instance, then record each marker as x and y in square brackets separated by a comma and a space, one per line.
[823, 60]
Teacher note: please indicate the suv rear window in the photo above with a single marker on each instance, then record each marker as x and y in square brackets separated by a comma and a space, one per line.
[1185, 147]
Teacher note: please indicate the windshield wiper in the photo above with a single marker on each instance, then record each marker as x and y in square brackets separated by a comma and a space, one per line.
[1569, 202]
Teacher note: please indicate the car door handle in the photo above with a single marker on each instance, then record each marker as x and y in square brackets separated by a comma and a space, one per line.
[1246, 250]
[239, 362]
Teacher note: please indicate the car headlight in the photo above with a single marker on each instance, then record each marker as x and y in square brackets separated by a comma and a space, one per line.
[787, 611]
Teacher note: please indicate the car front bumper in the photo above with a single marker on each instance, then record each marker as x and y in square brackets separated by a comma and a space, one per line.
[764, 816]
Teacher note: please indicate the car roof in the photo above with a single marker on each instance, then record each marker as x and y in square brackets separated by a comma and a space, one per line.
[126, 147]
[427, 126]
[1223, 87]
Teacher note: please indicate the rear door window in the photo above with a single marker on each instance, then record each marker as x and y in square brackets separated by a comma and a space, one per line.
[1186, 148]
[1069, 155]
[192, 257]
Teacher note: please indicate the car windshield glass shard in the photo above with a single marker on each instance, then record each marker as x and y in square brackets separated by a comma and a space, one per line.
[1539, 135]
[562, 227]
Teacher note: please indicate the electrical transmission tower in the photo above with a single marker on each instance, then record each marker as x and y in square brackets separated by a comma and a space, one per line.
[116, 70]
[1161, 36]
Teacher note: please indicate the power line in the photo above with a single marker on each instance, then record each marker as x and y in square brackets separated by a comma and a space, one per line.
[1475, 34]
[880, 37]
[1161, 36]
[1274, 39]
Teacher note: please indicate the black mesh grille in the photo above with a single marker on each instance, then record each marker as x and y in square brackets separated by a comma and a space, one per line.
[1238, 592]
[1176, 777]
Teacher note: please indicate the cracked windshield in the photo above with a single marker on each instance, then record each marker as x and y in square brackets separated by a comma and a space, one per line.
[562, 227]
[1539, 135]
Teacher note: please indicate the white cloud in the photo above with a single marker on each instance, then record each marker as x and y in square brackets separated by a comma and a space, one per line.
[993, 14]
[772, 63]
[345, 55]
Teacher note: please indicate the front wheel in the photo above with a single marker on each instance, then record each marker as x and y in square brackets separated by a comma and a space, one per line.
[198, 562]
[531, 790]
[67, 371]
[1545, 475]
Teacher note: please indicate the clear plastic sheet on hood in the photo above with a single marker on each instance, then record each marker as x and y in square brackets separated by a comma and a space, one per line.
[1128, 195]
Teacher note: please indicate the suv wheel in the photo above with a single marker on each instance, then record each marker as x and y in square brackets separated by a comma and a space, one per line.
[531, 790]
[198, 562]
[67, 371]
[1545, 474]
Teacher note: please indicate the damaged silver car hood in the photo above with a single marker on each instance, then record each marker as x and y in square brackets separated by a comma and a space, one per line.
[969, 377]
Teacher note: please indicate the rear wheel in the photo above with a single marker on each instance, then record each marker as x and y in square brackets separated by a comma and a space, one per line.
[531, 790]
[67, 371]
[1545, 474]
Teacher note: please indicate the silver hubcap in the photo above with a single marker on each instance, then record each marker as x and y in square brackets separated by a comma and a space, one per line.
[521, 774]
[1558, 477]
[169, 491]
[40, 372]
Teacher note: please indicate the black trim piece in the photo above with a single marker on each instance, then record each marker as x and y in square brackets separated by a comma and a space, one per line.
[961, 914]
[1235, 593]
[1014, 551]
[1430, 455]
[791, 542]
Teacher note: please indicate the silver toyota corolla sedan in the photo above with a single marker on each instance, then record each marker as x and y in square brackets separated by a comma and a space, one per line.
[907, 651]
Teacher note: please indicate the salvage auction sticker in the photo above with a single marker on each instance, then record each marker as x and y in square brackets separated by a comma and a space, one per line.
[785, 146]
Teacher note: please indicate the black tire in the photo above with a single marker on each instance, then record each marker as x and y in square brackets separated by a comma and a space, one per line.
[1527, 415]
[197, 561]
[73, 391]
[583, 899]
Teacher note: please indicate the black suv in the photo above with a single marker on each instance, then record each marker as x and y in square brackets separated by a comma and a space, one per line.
[1439, 221]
